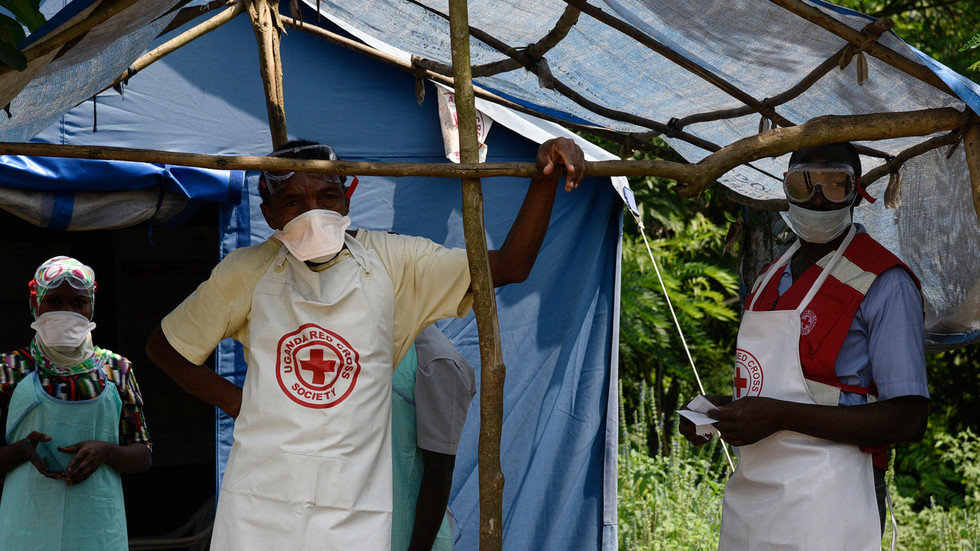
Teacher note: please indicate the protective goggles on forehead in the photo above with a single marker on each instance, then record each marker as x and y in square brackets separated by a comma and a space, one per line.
[836, 181]
[53, 273]
[272, 180]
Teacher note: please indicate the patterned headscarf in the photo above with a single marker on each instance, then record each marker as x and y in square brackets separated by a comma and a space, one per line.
[55, 271]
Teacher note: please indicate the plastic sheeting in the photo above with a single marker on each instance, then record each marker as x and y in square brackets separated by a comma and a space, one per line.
[763, 50]
[81, 71]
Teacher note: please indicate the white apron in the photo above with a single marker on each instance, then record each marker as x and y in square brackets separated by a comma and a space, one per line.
[790, 490]
[310, 467]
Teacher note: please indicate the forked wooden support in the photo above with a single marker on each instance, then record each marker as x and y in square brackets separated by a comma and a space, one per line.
[268, 29]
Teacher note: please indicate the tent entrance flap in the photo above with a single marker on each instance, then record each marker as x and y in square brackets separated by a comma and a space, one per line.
[82, 194]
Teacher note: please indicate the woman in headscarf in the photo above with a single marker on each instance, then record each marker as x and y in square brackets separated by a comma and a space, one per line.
[73, 422]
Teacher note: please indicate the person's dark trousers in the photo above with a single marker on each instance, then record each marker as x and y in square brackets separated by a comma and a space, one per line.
[880, 490]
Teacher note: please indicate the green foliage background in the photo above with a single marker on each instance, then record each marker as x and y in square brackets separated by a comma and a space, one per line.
[22, 13]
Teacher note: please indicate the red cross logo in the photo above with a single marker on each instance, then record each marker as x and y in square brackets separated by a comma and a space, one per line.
[741, 383]
[315, 367]
[748, 375]
[318, 367]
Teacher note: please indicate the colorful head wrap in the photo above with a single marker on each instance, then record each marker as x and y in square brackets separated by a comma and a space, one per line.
[55, 271]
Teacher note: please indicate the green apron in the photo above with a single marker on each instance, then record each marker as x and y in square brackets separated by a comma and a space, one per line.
[38, 513]
[406, 460]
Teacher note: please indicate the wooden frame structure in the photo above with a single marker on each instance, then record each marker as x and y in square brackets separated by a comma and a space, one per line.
[778, 135]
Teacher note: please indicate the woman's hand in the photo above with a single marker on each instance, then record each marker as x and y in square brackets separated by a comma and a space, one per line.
[89, 456]
[29, 445]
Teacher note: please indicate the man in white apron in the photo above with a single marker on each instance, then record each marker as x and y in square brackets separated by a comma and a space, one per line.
[323, 315]
[836, 321]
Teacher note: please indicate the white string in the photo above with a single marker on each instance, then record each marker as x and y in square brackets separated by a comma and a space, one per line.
[891, 514]
[639, 223]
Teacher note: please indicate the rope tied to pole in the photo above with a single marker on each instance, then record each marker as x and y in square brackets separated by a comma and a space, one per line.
[766, 123]
[419, 73]
[893, 193]
[861, 65]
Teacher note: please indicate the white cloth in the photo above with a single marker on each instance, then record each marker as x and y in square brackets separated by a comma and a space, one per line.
[790, 490]
[311, 464]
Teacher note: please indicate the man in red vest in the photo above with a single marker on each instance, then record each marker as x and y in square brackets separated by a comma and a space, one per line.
[829, 371]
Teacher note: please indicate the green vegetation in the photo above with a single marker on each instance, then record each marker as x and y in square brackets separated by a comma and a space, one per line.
[686, 240]
[940, 28]
[25, 13]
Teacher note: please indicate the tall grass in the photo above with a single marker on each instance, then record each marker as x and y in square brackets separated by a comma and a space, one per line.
[668, 502]
[674, 502]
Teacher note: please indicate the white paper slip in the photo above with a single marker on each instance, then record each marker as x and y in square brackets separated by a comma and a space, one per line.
[701, 404]
[697, 415]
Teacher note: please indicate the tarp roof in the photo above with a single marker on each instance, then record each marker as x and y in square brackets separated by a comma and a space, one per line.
[760, 50]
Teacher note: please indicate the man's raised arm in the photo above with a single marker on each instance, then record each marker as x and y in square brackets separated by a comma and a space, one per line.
[512, 262]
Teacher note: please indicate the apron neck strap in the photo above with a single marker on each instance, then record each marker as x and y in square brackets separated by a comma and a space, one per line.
[358, 252]
[830, 266]
[783, 260]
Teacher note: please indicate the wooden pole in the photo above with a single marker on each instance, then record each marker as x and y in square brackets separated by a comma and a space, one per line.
[664, 169]
[183, 39]
[492, 372]
[694, 177]
[971, 142]
[268, 28]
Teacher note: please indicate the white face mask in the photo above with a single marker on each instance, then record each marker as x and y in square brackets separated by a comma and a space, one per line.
[818, 226]
[314, 234]
[62, 329]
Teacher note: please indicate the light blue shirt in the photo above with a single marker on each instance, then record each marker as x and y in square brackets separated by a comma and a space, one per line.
[885, 340]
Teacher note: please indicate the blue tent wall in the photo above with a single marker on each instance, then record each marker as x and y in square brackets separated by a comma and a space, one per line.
[556, 328]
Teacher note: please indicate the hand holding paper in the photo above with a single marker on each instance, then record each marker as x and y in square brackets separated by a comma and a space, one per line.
[697, 414]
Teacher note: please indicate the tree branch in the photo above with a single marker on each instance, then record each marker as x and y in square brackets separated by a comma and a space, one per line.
[819, 131]
[179, 41]
[268, 28]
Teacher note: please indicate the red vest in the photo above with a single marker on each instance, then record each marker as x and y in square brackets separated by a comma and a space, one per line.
[826, 320]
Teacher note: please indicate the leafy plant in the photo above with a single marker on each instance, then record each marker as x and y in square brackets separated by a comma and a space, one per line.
[668, 503]
[970, 45]
[934, 525]
[26, 13]
[686, 239]
[939, 28]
